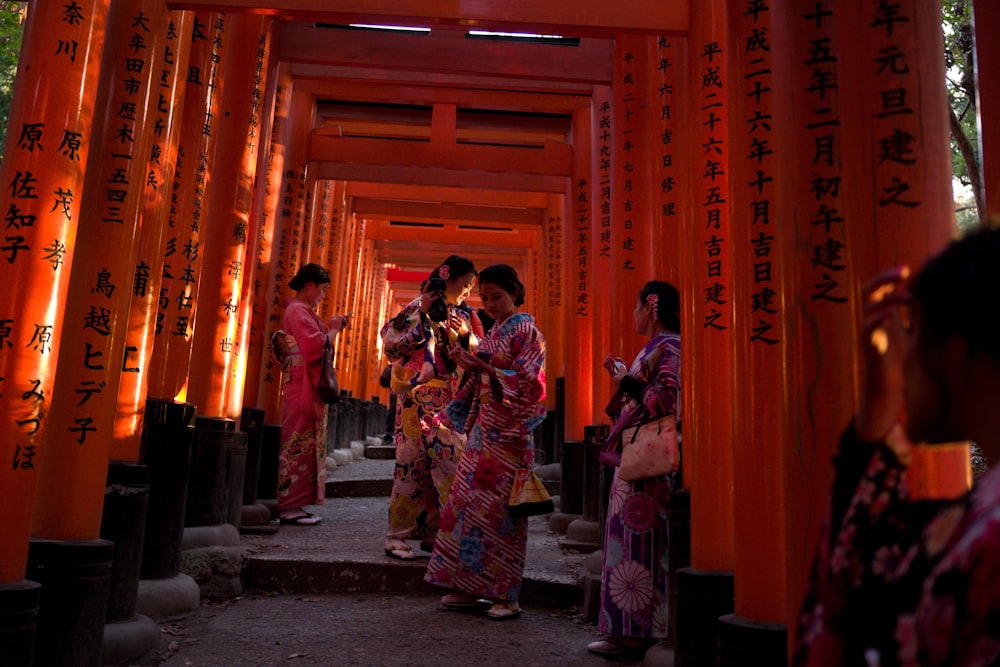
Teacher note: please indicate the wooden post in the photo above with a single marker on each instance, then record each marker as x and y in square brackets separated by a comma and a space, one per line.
[582, 281]
[599, 303]
[664, 139]
[757, 245]
[553, 301]
[183, 256]
[43, 176]
[92, 356]
[705, 589]
[214, 351]
[170, 67]
[265, 379]
[631, 196]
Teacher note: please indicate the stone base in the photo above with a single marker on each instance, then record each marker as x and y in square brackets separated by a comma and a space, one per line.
[331, 464]
[217, 570]
[702, 597]
[126, 640]
[582, 535]
[380, 451]
[559, 522]
[590, 609]
[256, 519]
[659, 655]
[358, 449]
[747, 643]
[595, 562]
[167, 599]
[342, 456]
[221, 535]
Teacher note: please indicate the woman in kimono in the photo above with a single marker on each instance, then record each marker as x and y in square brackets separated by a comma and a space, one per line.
[479, 551]
[299, 346]
[634, 591]
[899, 581]
[424, 380]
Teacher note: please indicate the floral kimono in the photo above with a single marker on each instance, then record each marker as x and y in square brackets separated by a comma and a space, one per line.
[425, 455]
[302, 460]
[479, 548]
[899, 582]
[635, 577]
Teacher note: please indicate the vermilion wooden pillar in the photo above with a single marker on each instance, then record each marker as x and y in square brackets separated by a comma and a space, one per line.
[311, 237]
[582, 280]
[600, 264]
[293, 115]
[244, 390]
[332, 243]
[812, 218]
[92, 355]
[553, 294]
[664, 139]
[42, 175]
[631, 194]
[265, 379]
[167, 99]
[706, 323]
[707, 341]
[757, 245]
[214, 350]
[987, 26]
[896, 126]
[347, 364]
[183, 254]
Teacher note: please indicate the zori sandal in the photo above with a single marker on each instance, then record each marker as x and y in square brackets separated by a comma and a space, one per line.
[462, 602]
[504, 611]
[300, 518]
[398, 549]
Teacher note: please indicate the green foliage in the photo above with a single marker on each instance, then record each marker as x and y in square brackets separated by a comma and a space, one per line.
[961, 83]
[11, 31]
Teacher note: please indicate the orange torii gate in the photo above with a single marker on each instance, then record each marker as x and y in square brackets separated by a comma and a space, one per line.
[701, 143]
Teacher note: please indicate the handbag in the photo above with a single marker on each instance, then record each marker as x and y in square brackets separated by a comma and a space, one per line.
[650, 449]
[528, 496]
[327, 386]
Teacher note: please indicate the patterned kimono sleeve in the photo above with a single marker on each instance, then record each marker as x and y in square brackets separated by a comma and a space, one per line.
[523, 385]
[660, 396]
[844, 609]
[302, 323]
[404, 334]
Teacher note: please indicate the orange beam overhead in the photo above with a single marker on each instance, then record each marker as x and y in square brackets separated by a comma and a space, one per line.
[552, 160]
[490, 82]
[447, 52]
[382, 209]
[434, 194]
[406, 92]
[472, 239]
[576, 18]
[456, 178]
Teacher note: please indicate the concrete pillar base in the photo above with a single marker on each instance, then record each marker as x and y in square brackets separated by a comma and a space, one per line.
[702, 597]
[659, 655]
[19, 603]
[559, 522]
[167, 599]
[591, 607]
[582, 535]
[126, 640]
[256, 520]
[220, 535]
[747, 643]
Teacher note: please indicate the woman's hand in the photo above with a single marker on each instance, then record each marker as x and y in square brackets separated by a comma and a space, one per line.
[457, 326]
[338, 323]
[469, 362]
[616, 368]
[883, 347]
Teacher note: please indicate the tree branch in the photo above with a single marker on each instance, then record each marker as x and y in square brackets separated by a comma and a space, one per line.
[971, 161]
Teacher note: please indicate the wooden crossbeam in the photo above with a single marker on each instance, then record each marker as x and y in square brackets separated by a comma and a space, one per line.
[447, 52]
[382, 209]
[488, 197]
[566, 17]
[552, 160]
[431, 176]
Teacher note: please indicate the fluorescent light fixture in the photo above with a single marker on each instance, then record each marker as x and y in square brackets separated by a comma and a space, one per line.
[389, 27]
[522, 35]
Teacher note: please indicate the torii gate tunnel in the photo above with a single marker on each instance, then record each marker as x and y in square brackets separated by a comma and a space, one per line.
[170, 164]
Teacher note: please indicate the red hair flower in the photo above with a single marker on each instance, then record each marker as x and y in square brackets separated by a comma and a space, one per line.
[651, 301]
[444, 271]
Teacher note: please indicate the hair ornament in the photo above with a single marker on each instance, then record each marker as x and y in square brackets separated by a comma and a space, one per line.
[652, 300]
[444, 271]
